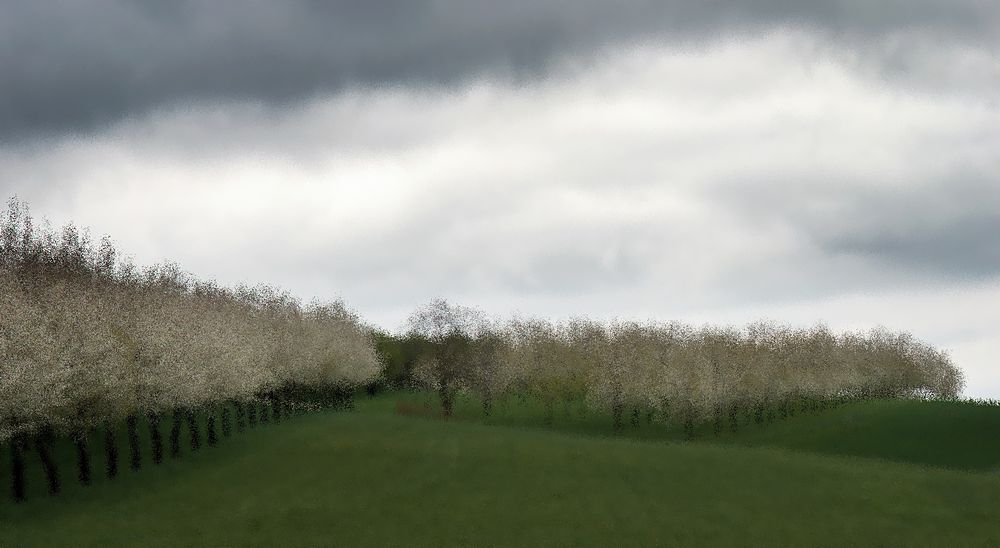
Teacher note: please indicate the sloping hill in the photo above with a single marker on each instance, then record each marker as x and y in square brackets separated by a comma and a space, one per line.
[949, 434]
[375, 479]
[934, 433]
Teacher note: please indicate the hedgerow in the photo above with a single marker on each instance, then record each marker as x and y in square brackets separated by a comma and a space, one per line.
[672, 371]
[89, 341]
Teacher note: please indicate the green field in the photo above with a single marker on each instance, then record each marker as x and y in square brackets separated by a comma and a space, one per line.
[374, 478]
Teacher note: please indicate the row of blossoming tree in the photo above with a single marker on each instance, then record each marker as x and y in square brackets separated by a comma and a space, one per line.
[672, 371]
[88, 341]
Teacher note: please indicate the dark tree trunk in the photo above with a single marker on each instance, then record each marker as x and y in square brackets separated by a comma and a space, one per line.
[110, 452]
[635, 417]
[155, 439]
[43, 444]
[447, 401]
[252, 413]
[227, 425]
[689, 424]
[193, 431]
[241, 417]
[82, 457]
[135, 457]
[210, 427]
[17, 468]
[276, 409]
[175, 434]
[734, 417]
[617, 409]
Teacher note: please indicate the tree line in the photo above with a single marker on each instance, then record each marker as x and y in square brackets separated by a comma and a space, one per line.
[690, 375]
[88, 341]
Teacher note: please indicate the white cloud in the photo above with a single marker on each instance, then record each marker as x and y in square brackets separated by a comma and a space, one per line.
[700, 183]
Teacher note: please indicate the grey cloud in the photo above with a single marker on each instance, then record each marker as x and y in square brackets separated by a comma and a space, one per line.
[74, 66]
[966, 247]
[940, 228]
[949, 229]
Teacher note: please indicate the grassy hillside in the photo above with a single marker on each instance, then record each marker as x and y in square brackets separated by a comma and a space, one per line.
[372, 478]
[945, 434]
[949, 434]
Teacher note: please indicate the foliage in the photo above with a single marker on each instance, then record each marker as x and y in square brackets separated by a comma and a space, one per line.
[450, 331]
[673, 371]
[87, 339]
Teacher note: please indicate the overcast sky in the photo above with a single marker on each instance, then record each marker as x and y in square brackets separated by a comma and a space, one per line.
[802, 161]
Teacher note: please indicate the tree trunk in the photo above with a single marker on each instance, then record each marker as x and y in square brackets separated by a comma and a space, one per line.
[487, 406]
[252, 413]
[193, 431]
[265, 412]
[175, 433]
[210, 427]
[17, 468]
[82, 457]
[155, 439]
[43, 443]
[241, 417]
[227, 427]
[110, 452]
[135, 457]
[276, 408]
[447, 401]
[689, 424]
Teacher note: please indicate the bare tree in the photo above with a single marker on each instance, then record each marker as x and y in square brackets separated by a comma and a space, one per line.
[451, 331]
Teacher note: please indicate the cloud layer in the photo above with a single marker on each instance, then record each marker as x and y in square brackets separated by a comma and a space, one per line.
[705, 161]
[72, 66]
[620, 175]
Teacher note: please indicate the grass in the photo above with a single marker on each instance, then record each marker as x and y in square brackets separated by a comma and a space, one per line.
[374, 478]
[958, 435]
[934, 433]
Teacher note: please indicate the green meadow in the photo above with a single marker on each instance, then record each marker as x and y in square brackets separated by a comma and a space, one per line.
[392, 472]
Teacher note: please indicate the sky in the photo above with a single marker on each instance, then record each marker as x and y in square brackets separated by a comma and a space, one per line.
[710, 162]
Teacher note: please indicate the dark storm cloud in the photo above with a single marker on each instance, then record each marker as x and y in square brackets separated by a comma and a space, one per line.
[937, 228]
[948, 229]
[73, 66]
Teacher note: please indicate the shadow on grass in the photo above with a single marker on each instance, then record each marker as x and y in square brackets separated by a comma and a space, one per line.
[953, 435]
